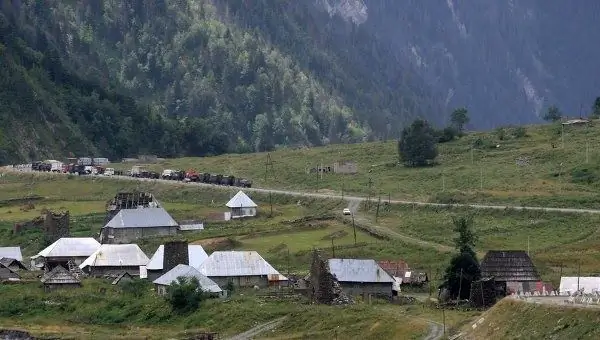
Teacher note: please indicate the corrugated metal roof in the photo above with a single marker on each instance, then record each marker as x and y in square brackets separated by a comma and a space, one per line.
[237, 263]
[241, 200]
[351, 270]
[116, 255]
[589, 284]
[142, 218]
[71, 247]
[182, 270]
[196, 254]
[11, 253]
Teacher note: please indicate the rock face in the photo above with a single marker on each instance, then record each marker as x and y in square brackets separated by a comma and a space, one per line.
[13, 334]
[506, 61]
[351, 10]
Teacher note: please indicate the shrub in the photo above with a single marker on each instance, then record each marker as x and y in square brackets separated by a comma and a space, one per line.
[446, 135]
[584, 175]
[185, 295]
[519, 132]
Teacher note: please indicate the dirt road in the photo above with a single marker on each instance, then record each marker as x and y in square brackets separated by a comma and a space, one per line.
[251, 333]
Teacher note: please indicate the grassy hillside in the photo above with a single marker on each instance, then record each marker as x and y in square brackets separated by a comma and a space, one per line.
[511, 319]
[480, 167]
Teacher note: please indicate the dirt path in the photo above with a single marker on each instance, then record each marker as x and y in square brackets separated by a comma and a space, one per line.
[436, 330]
[254, 331]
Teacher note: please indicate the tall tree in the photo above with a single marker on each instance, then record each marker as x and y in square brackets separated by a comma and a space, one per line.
[553, 114]
[459, 118]
[417, 144]
[464, 267]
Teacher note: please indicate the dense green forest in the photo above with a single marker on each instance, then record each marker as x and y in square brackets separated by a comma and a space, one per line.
[118, 78]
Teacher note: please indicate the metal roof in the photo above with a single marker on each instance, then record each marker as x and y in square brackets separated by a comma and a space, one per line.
[351, 270]
[589, 284]
[196, 254]
[71, 247]
[241, 200]
[509, 266]
[11, 253]
[116, 255]
[238, 263]
[182, 270]
[142, 218]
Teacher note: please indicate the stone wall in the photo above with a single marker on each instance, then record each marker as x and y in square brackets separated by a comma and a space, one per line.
[175, 252]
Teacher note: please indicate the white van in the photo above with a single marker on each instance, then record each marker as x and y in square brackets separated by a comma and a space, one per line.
[109, 172]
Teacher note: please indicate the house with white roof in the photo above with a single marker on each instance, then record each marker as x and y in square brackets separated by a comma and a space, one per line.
[241, 206]
[114, 259]
[74, 249]
[156, 267]
[242, 269]
[11, 253]
[186, 272]
[129, 225]
[361, 277]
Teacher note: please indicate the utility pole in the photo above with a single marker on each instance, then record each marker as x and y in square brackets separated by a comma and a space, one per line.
[268, 166]
[578, 273]
[472, 156]
[527, 245]
[369, 194]
[562, 134]
[587, 152]
[443, 182]
[353, 228]
[271, 203]
[377, 212]
[332, 248]
[481, 177]
[444, 319]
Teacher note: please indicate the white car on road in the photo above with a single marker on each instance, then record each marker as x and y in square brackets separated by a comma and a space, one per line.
[347, 211]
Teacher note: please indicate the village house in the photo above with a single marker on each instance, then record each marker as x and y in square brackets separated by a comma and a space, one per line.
[59, 278]
[160, 263]
[401, 272]
[13, 264]
[129, 225]
[187, 272]
[512, 271]
[242, 269]
[241, 205]
[362, 277]
[114, 259]
[65, 250]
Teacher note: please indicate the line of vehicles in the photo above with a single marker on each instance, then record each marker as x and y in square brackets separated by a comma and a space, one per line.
[98, 166]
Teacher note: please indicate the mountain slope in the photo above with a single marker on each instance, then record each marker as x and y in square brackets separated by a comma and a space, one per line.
[506, 61]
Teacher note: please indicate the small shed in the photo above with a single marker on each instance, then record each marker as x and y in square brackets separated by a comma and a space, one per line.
[512, 270]
[114, 259]
[59, 278]
[361, 277]
[188, 272]
[7, 274]
[129, 225]
[74, 249]
[241, 206]
[242, 269]
[156, 267]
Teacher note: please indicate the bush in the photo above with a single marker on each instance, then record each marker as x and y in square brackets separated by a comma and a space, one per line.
[519, 132]
[500, 133]
[185, 295]
[136, 287]
[447, 134]
[584, 175]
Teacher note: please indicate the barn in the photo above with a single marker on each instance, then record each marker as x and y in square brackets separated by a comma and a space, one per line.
[242, 269]
[114, 259]
[129, 225]
[512, 271]
[361, 277]
[65, 250]
[59, 278]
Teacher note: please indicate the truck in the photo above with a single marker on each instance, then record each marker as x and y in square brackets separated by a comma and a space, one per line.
[136, 171]
[168, 174]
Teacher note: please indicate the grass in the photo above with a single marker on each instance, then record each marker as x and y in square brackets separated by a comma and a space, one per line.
[542, 181]
[99, 309]
[511, 319]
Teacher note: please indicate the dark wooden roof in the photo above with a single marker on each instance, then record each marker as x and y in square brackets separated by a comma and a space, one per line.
[509, 266]
[10, 262]
[7, 273]
[59, 275]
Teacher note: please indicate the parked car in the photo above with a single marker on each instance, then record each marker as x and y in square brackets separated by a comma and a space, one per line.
[347, 211]
[109, 172]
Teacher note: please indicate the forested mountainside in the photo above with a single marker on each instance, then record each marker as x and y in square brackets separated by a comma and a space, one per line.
[195, 77]
[505, 60]
[278, 85]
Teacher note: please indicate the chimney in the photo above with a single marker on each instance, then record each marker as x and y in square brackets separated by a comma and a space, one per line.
[176, 252]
